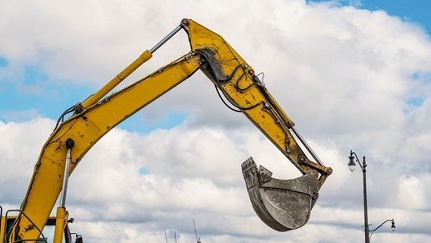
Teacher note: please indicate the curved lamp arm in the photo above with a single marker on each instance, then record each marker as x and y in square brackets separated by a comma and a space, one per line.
[388, 220]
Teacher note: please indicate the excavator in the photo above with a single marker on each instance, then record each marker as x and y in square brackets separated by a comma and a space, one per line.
[281, 204]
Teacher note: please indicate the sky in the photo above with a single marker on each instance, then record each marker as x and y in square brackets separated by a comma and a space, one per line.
[352, 75]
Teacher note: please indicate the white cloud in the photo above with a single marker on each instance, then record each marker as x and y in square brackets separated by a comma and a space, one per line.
[412, 192]
[19, 147]
[344, 75]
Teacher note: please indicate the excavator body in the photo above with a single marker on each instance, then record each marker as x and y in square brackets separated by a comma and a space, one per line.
[8, 220]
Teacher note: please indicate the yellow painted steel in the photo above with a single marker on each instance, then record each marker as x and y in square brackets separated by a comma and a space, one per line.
[2, 227]
[145, 56]
[251, 97]
[96, 116]
[86, 128]
[60, 223]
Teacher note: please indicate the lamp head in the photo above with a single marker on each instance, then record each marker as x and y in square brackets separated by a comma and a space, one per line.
[351, 163]
[393, 225]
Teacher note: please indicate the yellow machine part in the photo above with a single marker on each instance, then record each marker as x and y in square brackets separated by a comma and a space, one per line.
[235, 78]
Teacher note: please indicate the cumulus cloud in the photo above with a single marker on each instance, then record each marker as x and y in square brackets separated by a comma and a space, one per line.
[349, 78]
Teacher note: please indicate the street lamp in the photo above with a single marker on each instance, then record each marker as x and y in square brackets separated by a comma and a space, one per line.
[353, 159]
[352, 166]
[388, 220]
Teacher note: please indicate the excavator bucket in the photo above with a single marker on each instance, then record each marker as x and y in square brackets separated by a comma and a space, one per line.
[282, 204]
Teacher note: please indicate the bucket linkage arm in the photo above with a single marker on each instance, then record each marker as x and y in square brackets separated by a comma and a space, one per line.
[282, 204]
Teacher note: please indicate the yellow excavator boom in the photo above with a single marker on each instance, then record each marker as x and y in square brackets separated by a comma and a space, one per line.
[281, 204]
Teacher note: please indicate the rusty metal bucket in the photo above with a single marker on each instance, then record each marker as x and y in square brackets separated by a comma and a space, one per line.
[282, 204]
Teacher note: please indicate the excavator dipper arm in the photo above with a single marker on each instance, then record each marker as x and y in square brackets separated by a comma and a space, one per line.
[272, 199]
[282, 204]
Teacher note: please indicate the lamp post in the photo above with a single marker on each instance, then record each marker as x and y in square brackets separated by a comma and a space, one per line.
[353, 159]
[363, 166]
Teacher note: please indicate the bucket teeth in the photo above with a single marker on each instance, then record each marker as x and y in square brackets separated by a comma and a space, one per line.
[282, 204]
[248, 164]
[249, 172]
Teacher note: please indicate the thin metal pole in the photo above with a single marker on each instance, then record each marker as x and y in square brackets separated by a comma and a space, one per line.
[314, 155]
[164, 40]
[69, 144]
[367, 229]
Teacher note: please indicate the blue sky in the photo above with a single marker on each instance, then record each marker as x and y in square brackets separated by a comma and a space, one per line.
[413, 10]
[408, 10]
